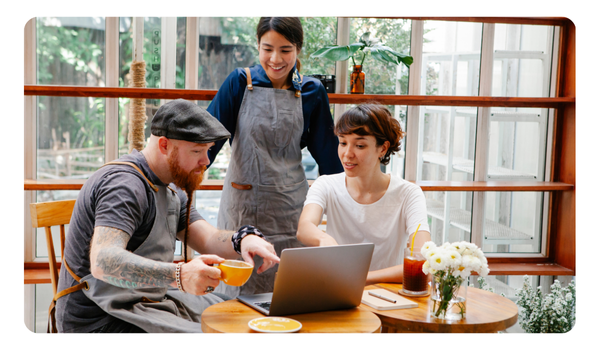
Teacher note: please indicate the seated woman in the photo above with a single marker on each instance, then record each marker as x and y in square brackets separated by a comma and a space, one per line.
[363, 204]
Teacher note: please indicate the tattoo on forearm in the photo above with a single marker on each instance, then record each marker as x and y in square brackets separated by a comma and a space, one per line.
[125, 269]
[224, 236]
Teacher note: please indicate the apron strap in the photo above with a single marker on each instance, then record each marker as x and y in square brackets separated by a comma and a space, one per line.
[248, 78]
[249, 81]
[136, 168]
[52, 310]
[298, 92]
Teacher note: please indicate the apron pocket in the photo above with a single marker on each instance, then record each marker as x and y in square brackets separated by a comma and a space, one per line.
[237, 207]
[279, 207]
[283, 127]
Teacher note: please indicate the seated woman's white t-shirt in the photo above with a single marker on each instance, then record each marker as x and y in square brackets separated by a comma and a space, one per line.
[387, 223]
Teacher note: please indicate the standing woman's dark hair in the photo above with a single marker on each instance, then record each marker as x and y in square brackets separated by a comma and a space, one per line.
[372, 119]
[289, 27]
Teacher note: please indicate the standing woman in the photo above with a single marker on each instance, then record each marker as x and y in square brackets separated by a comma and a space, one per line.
[272, 112]
[363, 204]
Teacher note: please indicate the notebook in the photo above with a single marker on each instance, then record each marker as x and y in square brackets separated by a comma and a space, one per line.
[381, 304]
[312, 279]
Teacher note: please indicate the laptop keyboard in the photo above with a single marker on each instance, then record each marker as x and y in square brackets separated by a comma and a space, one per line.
[264, 304]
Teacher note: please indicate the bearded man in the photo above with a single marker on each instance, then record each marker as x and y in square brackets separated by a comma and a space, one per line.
[118, 273]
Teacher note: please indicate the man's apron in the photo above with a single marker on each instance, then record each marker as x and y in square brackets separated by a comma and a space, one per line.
[265, 185]
[153, 309]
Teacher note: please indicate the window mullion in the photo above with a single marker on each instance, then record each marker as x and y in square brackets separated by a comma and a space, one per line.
[191, 53]
[341, 67]
[483, 132]
[412, 116]
[168, 42]
[191, 72]
[30, 137]
[111, 146]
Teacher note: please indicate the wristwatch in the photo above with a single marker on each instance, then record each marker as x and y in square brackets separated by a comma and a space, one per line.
[236, 238]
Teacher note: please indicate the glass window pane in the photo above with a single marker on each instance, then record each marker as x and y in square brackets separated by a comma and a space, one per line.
[451, 58]
[447, 146]
[43, 298]
[518, 138]
[397, 162]
[449, 215]
[70, 51]
[70, 134]
[522, 60]
[382, 78]
[513, 222]
[153, 47]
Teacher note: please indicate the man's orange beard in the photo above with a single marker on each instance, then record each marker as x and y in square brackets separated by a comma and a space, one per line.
[186, 181]
[189, 183]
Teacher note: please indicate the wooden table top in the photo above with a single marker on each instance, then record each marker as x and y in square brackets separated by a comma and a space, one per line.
[232, 317]
[486, 312]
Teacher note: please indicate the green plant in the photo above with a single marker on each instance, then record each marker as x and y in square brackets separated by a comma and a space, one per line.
[552, 313]
[362, 48]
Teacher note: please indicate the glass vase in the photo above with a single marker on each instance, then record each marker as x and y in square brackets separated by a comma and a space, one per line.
[357, 80]
[448, 299]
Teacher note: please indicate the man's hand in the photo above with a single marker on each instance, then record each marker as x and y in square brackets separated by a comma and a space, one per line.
[198, 274]
[253, 245]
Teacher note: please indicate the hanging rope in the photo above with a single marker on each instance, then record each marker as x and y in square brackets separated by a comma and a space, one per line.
[137, 108]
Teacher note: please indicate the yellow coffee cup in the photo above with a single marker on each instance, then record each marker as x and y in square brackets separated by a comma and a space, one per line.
[235, 272]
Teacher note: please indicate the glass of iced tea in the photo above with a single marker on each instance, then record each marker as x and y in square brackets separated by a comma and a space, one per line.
[415, 281]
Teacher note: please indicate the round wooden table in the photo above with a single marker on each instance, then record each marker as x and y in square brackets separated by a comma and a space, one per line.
[486, 312]
[233, 316]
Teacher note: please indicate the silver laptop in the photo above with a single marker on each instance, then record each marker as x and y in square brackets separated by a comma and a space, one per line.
[315, 279]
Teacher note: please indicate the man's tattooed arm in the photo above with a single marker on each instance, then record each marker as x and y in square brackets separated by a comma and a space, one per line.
[113, 264]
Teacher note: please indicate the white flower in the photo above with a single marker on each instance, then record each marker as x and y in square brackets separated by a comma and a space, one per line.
[472, 262]
[438, 260]
[428, 246]
[454, 259]
[427, 268]
[569, 297]
[484, 270]
[460, 246]
[464, 271]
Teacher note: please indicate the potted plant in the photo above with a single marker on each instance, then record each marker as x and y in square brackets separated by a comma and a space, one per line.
[365, 46]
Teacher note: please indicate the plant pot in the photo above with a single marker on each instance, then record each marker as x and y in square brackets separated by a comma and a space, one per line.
[357, 80]
[448, 299]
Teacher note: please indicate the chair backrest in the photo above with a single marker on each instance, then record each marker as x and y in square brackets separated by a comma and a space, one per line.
[50, 214]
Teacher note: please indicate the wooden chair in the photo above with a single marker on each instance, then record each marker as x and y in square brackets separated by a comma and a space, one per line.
[46, 215]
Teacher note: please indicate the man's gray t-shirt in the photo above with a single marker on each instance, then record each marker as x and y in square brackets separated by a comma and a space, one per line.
[115, 196]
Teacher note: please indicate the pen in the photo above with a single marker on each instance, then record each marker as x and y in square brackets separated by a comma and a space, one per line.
[382, 297]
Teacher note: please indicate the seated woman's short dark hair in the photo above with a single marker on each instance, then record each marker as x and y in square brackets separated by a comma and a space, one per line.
[372, 119]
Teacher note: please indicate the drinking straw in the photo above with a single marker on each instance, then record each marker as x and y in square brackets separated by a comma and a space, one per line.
[412, 245]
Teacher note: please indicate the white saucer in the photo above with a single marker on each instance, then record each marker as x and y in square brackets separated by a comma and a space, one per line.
[275, 325]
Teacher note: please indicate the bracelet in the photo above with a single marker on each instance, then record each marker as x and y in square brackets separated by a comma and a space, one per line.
[236, 238]
[178, 276]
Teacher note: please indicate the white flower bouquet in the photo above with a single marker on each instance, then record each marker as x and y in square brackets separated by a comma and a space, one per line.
[552, 313]
[450, 265]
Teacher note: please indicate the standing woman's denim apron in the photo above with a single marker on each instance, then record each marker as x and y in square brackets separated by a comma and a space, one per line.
[265, 185]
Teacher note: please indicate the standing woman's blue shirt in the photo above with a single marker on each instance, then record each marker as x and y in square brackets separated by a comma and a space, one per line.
[318, 133]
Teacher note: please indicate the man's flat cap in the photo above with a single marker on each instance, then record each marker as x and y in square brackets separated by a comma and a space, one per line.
[184, 120]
